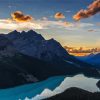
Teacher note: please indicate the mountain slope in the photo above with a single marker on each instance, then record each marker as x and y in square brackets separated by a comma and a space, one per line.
[93, 59]
[10, 73]
[23, 66]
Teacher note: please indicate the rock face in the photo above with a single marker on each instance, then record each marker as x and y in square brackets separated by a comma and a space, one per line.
[32, 44]
[76, 94]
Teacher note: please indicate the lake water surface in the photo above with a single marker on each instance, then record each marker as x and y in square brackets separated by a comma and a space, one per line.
[49, 87]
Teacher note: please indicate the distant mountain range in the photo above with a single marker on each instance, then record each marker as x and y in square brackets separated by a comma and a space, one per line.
[27, 57]
[93, 59]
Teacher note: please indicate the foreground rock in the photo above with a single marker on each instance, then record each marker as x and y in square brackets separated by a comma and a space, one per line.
[76, 94]
[98, 84]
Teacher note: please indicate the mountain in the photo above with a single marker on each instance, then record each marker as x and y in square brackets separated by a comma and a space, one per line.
[6, 47]
[26, 57]
[10, 73]
[21, 69]
[93, 59]
[33, 44]
[76, 94]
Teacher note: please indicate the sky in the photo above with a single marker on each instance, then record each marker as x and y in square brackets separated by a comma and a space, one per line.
[75, 23]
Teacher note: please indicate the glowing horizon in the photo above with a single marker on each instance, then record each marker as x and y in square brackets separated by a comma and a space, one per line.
[73, 27]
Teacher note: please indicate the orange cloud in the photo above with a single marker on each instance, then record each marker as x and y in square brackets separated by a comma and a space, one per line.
[59, 15]
[92, 9]
[18, 16]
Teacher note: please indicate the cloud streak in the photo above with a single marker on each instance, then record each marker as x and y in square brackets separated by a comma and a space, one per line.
[7, 24]
[12, 25]
[19, 21]
[92, 9]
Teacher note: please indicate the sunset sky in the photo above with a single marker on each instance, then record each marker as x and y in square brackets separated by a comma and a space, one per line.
[63, 20]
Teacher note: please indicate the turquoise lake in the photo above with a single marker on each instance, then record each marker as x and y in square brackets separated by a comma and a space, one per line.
[30, 90]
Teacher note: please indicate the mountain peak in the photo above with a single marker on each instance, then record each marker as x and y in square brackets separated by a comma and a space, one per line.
[15, 31]
[52, 39]
[24, 35]
[31, 31]
[33, 44]
[13, 35]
